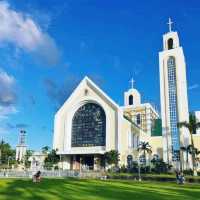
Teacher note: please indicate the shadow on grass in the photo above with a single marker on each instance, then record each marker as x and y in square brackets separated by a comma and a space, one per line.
[75, 189]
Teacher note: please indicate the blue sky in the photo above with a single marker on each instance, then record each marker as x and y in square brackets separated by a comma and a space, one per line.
[48, 46]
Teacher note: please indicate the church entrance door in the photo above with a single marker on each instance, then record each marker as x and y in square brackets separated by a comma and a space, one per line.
[88, 162]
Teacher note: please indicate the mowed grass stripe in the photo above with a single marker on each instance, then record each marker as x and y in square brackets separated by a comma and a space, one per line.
[75, 189]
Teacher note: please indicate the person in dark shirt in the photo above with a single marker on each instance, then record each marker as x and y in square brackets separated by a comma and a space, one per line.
[37, 177]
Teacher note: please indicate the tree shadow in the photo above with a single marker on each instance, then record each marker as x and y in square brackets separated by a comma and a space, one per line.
[79, 189]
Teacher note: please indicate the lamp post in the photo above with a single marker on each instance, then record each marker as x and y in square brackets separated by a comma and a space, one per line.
[60, 165]
[167, 140]
[139, 173]
[0, 155]
[9, 157]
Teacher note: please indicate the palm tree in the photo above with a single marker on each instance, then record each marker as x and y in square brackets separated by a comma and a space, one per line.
[197, 159]
[196, 153]
[188, 150]
[192, 126]
[145, 148]
[112, 157]
[182, 150]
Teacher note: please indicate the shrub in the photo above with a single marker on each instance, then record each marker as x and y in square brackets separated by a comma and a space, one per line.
[159, 166]
[111, 157]
[56, 167]
[123, 169]
[188, 172]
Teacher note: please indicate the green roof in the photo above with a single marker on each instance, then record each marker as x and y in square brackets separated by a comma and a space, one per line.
[157, 128]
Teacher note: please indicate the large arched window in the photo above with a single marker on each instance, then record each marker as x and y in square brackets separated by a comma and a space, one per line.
[170, 43]
[89, 126]
[130, 100]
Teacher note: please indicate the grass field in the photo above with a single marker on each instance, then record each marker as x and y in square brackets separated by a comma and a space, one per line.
[74, 189]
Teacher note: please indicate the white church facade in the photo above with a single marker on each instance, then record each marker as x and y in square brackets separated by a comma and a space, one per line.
[90, 123]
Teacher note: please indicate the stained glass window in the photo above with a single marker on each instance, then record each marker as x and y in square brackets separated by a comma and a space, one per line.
[173, 108]
[89, 126]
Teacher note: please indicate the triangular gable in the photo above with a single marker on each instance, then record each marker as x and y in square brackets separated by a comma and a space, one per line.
[95, 88]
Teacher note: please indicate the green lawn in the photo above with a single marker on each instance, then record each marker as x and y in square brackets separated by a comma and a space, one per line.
[69, 189]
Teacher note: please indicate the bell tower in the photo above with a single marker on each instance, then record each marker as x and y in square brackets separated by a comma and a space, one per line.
[21, 147]
[132, 97]
[173, 96]
[170, 39]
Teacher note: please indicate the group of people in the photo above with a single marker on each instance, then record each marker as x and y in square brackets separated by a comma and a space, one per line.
[180, 177]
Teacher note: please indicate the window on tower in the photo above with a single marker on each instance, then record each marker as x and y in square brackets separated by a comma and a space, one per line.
[170, 43]
[130, 100]
[138, 119]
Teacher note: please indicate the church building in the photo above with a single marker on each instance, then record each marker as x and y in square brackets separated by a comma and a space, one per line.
[90, 123]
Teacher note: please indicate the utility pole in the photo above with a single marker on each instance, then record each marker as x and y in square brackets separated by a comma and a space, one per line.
[139, 172]
[0, 156]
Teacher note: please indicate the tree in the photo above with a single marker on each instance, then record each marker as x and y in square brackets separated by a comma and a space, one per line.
[188, 150]
[182, 150]
[52, 159]
[145, 148]
[28, 154]
[112, 157]
[45, 149]
[7, 154]
[159, 165]
[196, 153]
[192, 126]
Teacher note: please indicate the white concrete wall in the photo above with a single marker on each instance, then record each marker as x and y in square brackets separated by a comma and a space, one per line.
[63, 120]
[197, 115]
[20, 152]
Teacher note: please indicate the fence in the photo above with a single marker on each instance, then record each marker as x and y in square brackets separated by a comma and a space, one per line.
[54, 173]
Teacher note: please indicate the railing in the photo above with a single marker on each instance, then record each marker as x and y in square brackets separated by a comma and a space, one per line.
[53, 173]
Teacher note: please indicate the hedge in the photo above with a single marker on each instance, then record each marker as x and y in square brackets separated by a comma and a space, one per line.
[152, 177]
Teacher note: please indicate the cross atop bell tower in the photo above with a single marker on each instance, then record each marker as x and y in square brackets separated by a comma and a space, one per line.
[132, 81]
[170, 39]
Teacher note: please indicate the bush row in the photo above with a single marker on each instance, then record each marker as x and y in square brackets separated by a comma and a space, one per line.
[152, 177]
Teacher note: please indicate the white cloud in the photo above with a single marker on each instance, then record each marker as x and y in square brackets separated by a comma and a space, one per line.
[19, 29]
[192, 87]
[8, 96]
[3, 130]
[7, 89]
[5, 111]
[6, 79]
